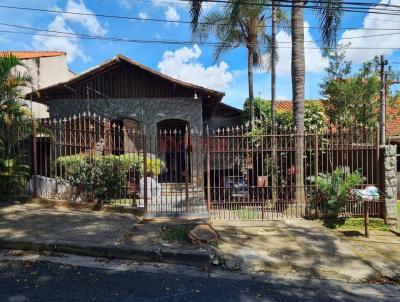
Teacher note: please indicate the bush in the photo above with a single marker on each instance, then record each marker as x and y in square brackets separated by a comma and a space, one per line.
[14, 174]
[104, 177]
[333, 190]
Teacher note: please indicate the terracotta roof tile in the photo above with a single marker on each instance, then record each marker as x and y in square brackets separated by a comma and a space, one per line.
[393, 119]
[392, 113]
[32, 54]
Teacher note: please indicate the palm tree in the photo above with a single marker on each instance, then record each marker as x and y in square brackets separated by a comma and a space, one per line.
[11, 80]
[234, 26]
[330, 12]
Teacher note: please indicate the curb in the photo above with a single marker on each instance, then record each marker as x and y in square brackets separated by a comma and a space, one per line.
[194, 257]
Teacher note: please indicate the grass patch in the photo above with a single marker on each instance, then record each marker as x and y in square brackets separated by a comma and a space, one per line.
[398, 214]
[355, 224]
[122, 202]
[247, 214]
[178, 232]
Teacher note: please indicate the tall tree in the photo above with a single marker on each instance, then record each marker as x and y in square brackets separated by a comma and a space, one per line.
[234, 26]
[329, 12]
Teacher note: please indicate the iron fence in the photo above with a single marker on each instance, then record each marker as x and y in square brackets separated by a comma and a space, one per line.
[231, 173]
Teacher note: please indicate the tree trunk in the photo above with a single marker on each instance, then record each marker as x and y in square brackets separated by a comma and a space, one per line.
[250, 56]
[298, 80]
[273, 62]
[273, 99]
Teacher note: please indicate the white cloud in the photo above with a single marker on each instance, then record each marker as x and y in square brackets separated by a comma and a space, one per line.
[60, 23]
[143, 15]
[314, 60]
[70, 45]
[125, 3]
[90, 23]
[171, 14]
[183, 64]
[377, 39]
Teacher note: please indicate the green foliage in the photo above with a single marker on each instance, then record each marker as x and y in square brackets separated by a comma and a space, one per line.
[10, 83]
[102, 177]
[14, 173]
[333, 190]
[177, 232]
[14, 127]
[314, 116]
[355, 224]
[353, 97]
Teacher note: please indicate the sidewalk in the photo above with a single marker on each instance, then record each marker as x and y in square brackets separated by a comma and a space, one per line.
[284, 248]
[303, 247]
[31, 226]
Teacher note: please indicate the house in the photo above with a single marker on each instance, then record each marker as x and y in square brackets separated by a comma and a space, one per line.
[136, 96]
[45, 68]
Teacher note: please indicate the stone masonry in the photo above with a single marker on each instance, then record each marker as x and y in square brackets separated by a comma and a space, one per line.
[147, 111]
[390, 182]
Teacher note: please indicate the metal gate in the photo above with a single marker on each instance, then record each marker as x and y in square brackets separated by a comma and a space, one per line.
[232, 173]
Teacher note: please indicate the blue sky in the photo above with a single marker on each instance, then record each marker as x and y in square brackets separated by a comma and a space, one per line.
[192, 63]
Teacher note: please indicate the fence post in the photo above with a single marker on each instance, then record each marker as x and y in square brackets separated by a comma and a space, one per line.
[316, 151]
[34, 157]
[186, 154]
[208, 174]
[390, 185]
[144, 172]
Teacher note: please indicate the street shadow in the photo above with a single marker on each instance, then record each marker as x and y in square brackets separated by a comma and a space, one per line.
[32, 222]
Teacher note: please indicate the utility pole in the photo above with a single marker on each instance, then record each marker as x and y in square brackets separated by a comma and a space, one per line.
[382, 98]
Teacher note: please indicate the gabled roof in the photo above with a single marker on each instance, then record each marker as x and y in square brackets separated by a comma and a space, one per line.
[32, 54]
[120, 58]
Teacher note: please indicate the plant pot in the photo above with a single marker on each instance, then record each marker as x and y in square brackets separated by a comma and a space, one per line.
[262, 181]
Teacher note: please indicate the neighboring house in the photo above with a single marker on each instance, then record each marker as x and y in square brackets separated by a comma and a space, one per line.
[45, 68]
[136, 96]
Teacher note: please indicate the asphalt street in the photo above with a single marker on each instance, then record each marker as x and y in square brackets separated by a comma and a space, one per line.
[47, 281]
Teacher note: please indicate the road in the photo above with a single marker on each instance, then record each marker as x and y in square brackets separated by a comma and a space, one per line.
[59, 280]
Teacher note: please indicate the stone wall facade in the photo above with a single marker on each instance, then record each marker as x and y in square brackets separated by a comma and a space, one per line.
[147, 111]
[390, 183]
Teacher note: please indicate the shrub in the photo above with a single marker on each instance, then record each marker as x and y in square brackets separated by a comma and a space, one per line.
[14, 174]
[104, 177]
[333, 190]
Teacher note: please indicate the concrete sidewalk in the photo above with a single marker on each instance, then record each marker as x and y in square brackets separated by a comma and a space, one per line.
[302, 247]
[32, 226]
[283, 248]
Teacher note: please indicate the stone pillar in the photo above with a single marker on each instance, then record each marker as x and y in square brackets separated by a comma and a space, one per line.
[390, 185]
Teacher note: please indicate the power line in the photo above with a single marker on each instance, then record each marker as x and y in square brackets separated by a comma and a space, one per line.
[163, 20]
[167, 42]
[79, 35]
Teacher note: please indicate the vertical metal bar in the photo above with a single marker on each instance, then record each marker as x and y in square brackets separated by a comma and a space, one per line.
[208, 174]
[186, 155]
[34, 156]
[316, 165]
[144, 172]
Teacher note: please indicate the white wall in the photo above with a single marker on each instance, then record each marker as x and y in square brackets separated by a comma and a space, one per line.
[45, 72]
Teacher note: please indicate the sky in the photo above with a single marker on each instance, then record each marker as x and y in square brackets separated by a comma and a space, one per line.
[192, 63]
